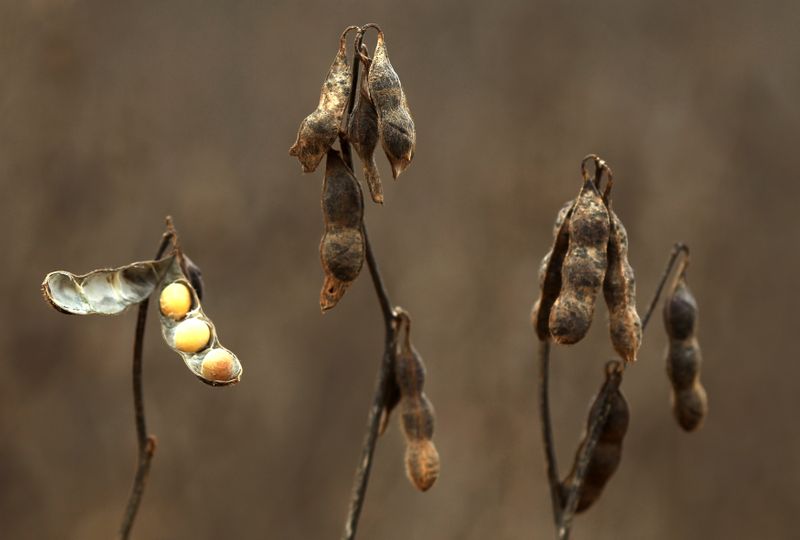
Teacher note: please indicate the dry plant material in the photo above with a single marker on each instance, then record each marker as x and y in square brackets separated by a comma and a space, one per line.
[362, 132]
[395, 125]
[689, 400]
[341, 249]
[550, 273]
[318, 131]
[177, 283]
[619, 289]
[584, 267]
[608, 450]
[421, 458]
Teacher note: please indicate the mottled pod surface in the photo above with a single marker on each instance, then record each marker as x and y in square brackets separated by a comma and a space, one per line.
[342, 248]
[422, 464]
[619, 289]
[584, 267]
[362, 132]
[318, 131]
[550, 273]
[608, 452]
[684, 358]
[396, 127]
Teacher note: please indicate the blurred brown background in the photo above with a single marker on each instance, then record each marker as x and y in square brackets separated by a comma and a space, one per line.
[114, 114]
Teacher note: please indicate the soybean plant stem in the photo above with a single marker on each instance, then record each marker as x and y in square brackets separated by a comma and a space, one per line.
[547, 428]
[147, 443]
[361, 477]
[677, 249]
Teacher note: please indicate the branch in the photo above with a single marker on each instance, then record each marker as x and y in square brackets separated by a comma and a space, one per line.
[361, 477]
[677, 249]
[147, 443]
[547, 429]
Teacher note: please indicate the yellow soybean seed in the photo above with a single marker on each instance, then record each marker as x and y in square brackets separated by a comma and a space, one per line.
[175, 301]
[217, 365]
[192, 335]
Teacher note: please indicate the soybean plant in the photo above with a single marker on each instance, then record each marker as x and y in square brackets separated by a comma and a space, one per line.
[363, 111]
[185, 327]
[590, 253]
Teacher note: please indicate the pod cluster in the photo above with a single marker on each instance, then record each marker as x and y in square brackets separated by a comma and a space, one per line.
[379, 112]
[608, 451]
[589, 253]
[689, 400]
[417, 418]
[342, 248]
[190, 333]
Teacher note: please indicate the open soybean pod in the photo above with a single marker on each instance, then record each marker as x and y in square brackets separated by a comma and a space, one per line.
[318, 131]
[342, 247]
[684, 358]
[362, 132]
[190, 333]
[550, 273]
[607, 454]
[619, 289]
[395, 125]
[584, 267]
[104, 291]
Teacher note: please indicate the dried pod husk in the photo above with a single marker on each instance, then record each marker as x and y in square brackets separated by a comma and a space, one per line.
[619, 289]
[106, 291]
[608, 452]
[391, 397]
[193, 336]
[318, 131]
[422, 464]
[550, 273]
[362, 132]
[417, 418]
[395, 125]
[684, 358]
[584, 267]
[342, 248]
[195, 276]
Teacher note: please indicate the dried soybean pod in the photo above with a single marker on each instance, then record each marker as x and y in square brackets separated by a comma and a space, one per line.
[395, 125]
[584, 267]
[550, 273]
[608, 451]
[421, 457]
[391, 397]
[362, 132]
[318, 131]
[195, 276]
[684, 358]
[619, 289]
[342, 246]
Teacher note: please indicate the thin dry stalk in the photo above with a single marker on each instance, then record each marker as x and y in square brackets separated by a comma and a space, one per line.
[147, 443]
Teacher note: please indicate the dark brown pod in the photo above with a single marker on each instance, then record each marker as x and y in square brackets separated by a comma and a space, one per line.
[607, 453]
[619, 289]
[418, 418]
[584, 267]
[391, 397]
[684, 358]
[342, 247]
[680, 311]
[550, 273]
[395, 125]
[195, 276]
[362, 132]
[318, 131]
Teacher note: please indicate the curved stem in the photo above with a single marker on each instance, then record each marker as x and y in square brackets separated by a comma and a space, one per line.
[677, 249]
[547, 428]
[147, 443]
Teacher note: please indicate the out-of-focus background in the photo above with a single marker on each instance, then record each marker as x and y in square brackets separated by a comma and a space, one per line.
[113, 115]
